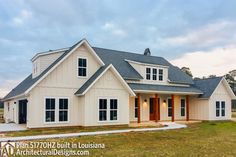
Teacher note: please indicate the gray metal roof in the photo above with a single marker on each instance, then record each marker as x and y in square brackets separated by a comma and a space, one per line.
[118, 60]
[91, 79]
[164, 88]
[29, 81]
[207, 86]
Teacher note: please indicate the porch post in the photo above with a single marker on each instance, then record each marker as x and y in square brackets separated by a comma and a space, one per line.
[156, 108]
[187, 108]
[139, 108]
[173, 107]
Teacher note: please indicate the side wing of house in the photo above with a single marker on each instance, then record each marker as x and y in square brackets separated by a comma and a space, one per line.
[220, 102]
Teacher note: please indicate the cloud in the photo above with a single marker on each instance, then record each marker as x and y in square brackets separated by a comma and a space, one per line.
[207, 35]
[7, 85]
[217, 61]
[23, 16]
[114, 29]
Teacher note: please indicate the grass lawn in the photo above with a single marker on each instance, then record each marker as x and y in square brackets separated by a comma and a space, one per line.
[1, 114]
[234, 114]
[64, 130]
[200, 139]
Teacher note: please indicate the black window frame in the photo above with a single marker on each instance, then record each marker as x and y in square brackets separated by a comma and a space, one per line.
[160, 74]
[222, 109]
[182, 107]
[113, 109]
[154, 74]
[169, 107]
[103, 109]
[63, 110]
[217, 108]
[136, 108]
[82, 67]
[50, 110]
[148, 74]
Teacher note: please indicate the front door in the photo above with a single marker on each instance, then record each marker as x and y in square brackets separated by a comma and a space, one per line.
[152, 109]
[22, 111]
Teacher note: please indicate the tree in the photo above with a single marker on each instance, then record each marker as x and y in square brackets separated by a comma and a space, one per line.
[211, 76]
[230, 77]
[187, 71]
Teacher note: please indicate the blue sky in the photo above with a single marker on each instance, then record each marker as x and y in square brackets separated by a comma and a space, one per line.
[196, 33]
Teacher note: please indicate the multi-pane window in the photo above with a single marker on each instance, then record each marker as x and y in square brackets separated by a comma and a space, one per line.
[154, 74]
[102, 109]
[50, 109]
[82, 67]
[169, 107]
[108, 109]
[63, 110]
[160, 74]
[113, 109]
[217, 109]
[136, 108]
[222, 108]
[182, 107]
[148, 73]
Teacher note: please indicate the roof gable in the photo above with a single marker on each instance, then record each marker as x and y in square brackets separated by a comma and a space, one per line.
[100, 72]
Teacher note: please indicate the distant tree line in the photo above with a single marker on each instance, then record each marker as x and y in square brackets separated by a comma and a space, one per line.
[230, 77]
[1, 104]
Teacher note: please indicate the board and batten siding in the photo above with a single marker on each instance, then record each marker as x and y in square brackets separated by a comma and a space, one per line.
[61, 82]
[198, 108]
[220, 94]
[108, 86]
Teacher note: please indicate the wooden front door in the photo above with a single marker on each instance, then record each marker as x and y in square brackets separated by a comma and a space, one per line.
[152, 109]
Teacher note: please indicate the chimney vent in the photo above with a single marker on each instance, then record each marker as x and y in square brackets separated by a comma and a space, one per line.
[147, 52]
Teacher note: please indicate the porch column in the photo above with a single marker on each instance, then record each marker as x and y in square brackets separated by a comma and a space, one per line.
[139, 108]
[187, 108]
[173, 107]
[156, 108]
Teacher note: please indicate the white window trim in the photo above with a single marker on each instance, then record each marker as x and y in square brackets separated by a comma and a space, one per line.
[220, 109]
[184, 106]
[80, 57]
[56, 110]
[108, 110]
[151, 73]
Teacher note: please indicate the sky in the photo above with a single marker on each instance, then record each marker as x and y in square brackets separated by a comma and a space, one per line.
[198, 34]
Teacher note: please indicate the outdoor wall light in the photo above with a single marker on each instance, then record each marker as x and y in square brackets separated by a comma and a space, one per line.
[164, 103]
[145, 103]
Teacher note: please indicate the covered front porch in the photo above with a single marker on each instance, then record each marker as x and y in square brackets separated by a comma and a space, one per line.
[159, 107]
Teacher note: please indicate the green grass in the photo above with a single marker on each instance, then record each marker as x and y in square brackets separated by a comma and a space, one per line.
[1, 114]
[201, 139]
[63, 130]
[234, 114]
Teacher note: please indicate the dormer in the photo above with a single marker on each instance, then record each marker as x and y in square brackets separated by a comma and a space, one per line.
[42, 60]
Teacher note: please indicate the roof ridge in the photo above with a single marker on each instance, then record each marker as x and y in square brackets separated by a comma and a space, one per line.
[121, 51]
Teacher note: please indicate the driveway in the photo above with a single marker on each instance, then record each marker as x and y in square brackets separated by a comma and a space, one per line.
[12, 127]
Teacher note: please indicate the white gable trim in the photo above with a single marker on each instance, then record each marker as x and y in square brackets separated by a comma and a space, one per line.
[84, 41]
[117, 75]
[225, 83]
[146, 64]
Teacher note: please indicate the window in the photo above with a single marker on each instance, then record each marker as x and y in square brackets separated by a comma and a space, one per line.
[154, 74]
[63, 110]
[136, 108]
[148, 73]
[82, 67]
[108, 109]
[102, 109]
[169, 107]
[160, 74]
[50, 110]
[217, 109]
[113, 109]
[222, 108]
[182, 107]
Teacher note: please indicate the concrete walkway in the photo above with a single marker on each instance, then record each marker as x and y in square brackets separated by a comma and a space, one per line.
[167, 126]
[12, 127]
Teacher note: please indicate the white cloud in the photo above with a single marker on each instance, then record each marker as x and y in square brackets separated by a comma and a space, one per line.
[114, 29]
[22, 17]
[209, 34]
[217, 61]
[7, 86]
